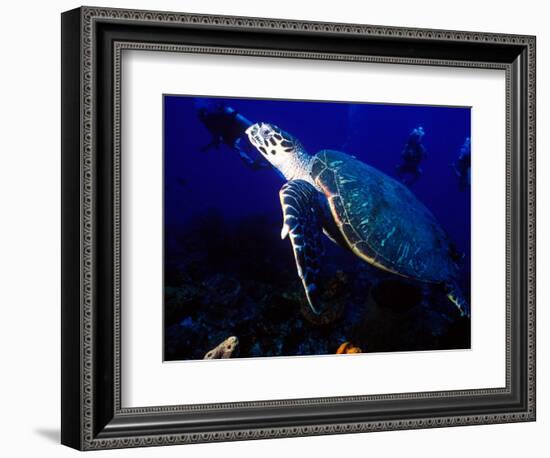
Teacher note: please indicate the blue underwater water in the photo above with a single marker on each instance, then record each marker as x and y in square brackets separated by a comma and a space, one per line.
[227, 271]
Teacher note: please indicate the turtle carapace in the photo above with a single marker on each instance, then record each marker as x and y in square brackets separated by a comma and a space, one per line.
[359, 208]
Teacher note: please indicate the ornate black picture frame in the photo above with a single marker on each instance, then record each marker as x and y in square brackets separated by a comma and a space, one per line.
[92, 42]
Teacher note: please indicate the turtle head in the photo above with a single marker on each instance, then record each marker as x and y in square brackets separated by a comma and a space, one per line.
[276, 145]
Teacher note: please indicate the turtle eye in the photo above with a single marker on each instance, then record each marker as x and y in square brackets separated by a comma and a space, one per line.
[265, 132]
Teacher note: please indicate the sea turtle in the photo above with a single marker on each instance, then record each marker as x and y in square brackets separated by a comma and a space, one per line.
[359, 208]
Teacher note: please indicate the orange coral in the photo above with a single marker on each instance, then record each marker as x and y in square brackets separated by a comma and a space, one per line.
[347, 348]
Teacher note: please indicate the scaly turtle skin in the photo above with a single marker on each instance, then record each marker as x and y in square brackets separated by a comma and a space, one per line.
[360, 209]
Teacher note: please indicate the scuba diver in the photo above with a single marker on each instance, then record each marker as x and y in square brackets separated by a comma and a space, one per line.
[463, 164]
[228, 127]
[413, 154]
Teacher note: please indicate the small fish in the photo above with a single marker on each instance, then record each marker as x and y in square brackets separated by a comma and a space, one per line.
[223, 350]
[347, 348]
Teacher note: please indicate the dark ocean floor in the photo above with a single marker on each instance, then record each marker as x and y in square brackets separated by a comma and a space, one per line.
[239, 279]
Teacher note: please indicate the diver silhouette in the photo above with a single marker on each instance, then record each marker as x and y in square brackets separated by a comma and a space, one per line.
[463, 164]
[227, 127]
[408, 170]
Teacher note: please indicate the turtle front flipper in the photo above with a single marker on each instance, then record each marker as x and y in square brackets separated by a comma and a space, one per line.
[302, 223]
[456, 297]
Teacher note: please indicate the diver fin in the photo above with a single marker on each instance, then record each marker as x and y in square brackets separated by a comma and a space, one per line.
[455, 296]
[302, 223]
[254, 164]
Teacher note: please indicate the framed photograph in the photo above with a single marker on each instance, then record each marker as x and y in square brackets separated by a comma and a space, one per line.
[277, 228]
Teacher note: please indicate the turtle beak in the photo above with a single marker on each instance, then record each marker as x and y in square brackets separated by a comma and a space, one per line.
[251, 129]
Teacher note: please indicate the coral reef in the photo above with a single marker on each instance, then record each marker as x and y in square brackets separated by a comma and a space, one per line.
[239, 279]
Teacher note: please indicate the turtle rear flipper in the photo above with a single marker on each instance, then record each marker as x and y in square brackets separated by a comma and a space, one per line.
[456, 297]
[302, 222]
